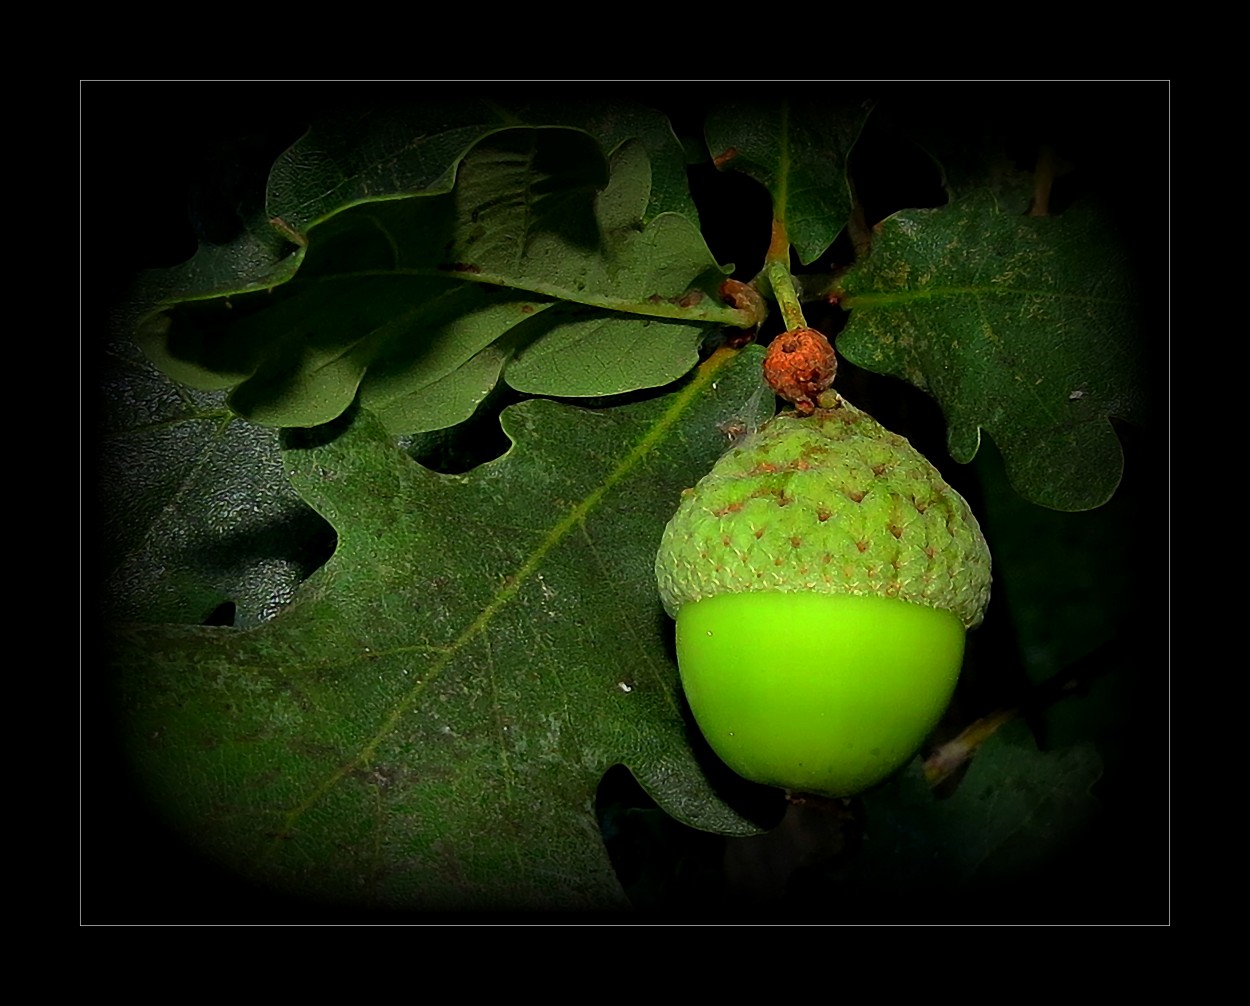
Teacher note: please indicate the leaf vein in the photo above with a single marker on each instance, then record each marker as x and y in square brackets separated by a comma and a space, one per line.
[512, 586]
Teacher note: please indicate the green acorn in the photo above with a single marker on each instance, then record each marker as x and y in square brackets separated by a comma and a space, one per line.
[822, 576]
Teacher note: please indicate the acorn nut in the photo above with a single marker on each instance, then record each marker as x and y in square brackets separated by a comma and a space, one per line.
[822, 576]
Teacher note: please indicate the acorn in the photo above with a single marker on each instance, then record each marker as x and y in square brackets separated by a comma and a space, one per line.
[823, 576]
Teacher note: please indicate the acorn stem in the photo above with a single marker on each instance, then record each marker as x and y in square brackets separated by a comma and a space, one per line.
[777, 269]
[780, 280]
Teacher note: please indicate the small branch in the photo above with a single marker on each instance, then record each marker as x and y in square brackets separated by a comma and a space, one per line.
[1074, 678]
[1043, 180]
[950, 756]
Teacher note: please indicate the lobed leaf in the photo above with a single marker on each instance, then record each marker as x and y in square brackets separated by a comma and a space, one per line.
[426, 723]
[1016, 809]
[395, 151]
[197, 512]
[798, 151]
[419, 304]
[1025, 327]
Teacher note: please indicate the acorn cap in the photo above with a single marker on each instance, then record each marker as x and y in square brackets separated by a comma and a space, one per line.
[833, 503]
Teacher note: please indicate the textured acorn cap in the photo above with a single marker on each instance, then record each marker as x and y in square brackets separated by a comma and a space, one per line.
[831, 502]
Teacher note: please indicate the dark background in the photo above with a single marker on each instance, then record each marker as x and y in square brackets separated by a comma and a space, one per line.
[165, 165]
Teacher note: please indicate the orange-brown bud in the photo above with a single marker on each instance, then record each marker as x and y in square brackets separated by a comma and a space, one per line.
[800, 365]
[743, 297]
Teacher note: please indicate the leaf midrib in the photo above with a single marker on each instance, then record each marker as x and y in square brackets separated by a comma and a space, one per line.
[574, 519]
[953, 292]
[714, 314]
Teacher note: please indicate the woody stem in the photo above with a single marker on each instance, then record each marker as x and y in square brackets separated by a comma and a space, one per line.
[777, 268]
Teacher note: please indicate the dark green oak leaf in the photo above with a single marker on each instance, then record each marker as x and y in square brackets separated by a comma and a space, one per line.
[394, 150]
[966, 132]
[1073, 582]
[419, 304]
[615, 123]
[1015, 810]
[424, 726]
[1026, 327]
[1086, 599]
[797, 149]
[198, 517]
